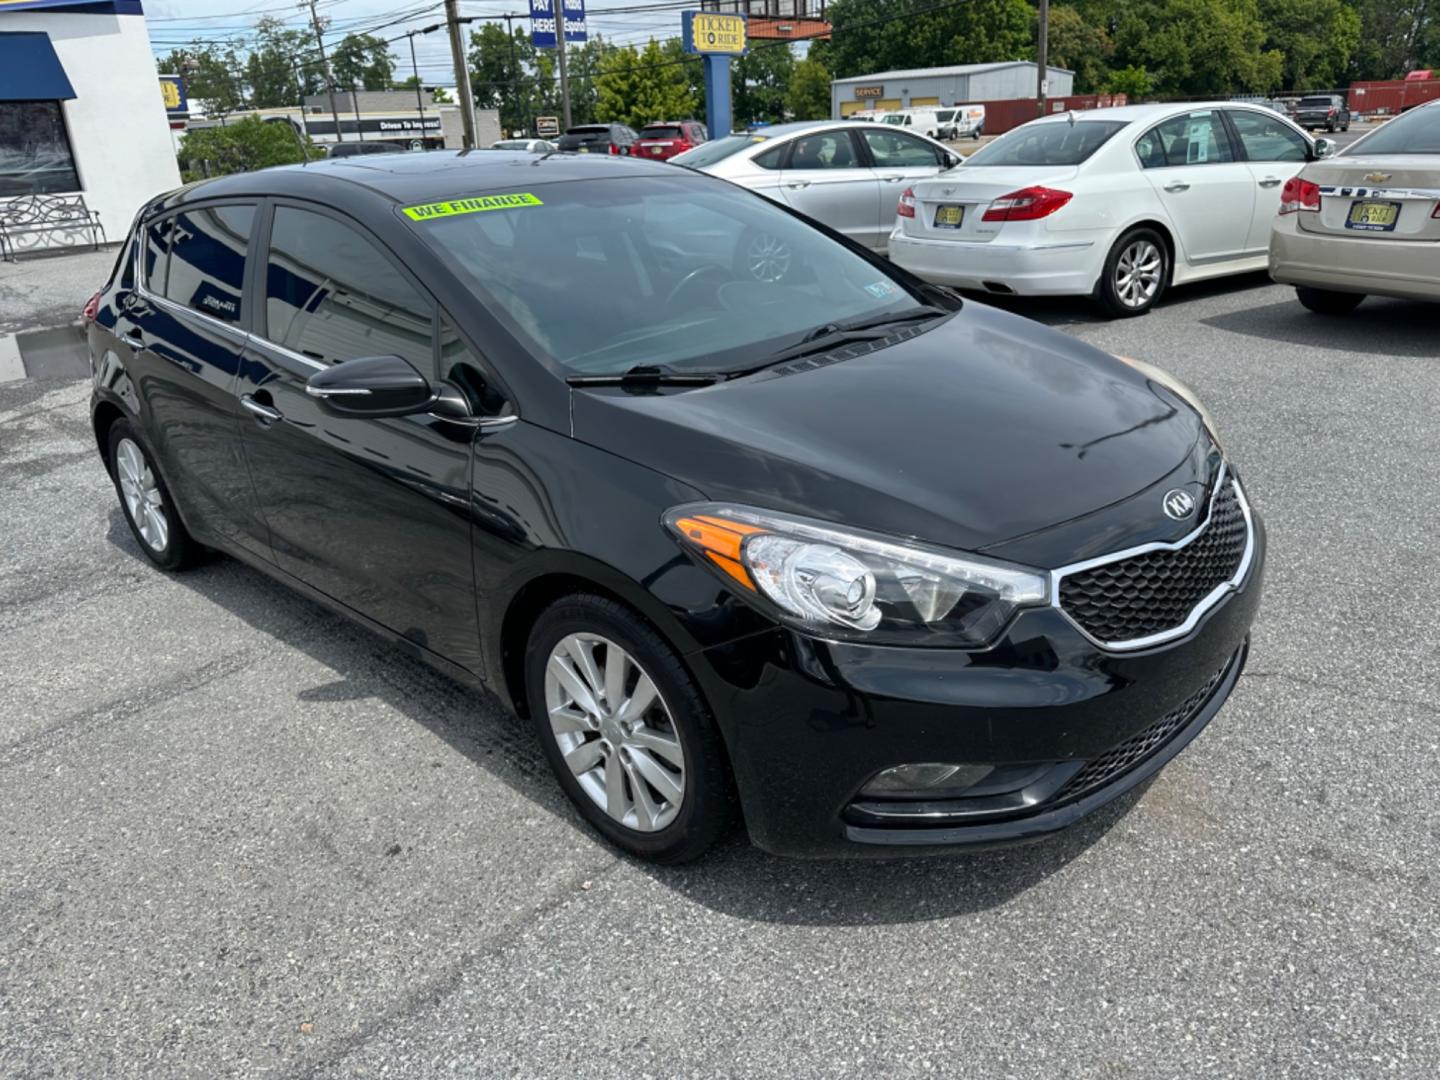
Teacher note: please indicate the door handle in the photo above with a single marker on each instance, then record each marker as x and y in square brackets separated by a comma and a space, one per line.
[1177, 185]
[263, 413]
[799, 184]
[133, 340]
[1270, 181]
[893, 179]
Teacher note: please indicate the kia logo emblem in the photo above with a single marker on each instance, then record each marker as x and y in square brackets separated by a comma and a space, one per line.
[1179, 504]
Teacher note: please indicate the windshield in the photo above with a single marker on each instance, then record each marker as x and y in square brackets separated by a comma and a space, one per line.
[893, 118]
[1414, 132]
[604, 275]
[1047, 143]
[716, 150]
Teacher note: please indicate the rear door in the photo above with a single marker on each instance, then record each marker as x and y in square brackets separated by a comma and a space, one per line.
[1208, 195]
[1274, 152]
[374, 513]
[899, 159]
[827, 178]
[184, 330]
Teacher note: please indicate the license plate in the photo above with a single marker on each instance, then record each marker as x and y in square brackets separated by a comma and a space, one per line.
[1373, 216]
[583, 149]
[949, 217]
[657, 149]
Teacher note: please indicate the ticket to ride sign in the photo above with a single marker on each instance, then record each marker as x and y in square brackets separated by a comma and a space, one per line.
[713, 34]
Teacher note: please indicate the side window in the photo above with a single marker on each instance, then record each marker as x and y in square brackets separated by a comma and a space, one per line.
[827, 150]
[331, 295]
[459, 365]
[897, 150]
[207, 259]
[1196, 138]
[155, 255]
[770, 159]
[1267, 139]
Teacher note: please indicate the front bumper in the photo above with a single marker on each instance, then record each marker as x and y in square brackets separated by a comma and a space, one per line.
[808, 722]
[1054, 267]
[1355, 263]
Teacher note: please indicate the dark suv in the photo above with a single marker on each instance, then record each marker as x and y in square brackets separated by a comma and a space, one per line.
[1323, 110]
[598, 139]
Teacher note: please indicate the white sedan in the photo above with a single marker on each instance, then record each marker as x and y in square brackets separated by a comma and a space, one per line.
[1118, 203]
[844, 174]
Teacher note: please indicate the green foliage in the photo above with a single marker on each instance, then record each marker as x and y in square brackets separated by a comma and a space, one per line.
[362, 61]
[809, 94]
[758, 84]
[500, 73]
[1396, 36]
[245, 145]
[1134, 82]
[211, 75]
[440, 95]
[1082, 46]
[1197, 47]
[271, 66]
[1315, 39]
[637, 87]
[917, 35]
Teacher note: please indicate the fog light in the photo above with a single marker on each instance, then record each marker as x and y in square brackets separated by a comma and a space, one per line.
[928, 780]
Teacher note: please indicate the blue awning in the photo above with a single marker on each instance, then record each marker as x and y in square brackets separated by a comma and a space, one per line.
[30, 70]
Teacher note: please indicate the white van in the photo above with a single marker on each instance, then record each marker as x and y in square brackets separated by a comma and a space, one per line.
[941, 122]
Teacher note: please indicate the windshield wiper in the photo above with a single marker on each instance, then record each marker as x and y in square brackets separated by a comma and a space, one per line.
[832, 335]
[645, 375]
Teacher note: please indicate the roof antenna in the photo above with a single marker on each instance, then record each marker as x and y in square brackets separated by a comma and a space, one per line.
[1070, 117]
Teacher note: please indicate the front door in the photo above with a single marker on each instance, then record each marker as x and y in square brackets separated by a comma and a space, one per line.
[827, 179]
[185, 330]
[374, 513]
[1208, 194]
[1274, 152]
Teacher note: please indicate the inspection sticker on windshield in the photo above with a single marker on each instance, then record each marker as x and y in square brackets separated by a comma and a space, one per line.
[882, 289]
[471, 206]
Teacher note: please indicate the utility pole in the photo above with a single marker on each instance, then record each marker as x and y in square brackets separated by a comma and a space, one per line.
[515, 75]
[1042, 53]
[462, 72]
[325, 64]
[419, 93]
[560, 59]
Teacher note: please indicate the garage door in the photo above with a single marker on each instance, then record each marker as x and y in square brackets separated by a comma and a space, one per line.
[887, 105]
[850, 108]
[921, 102]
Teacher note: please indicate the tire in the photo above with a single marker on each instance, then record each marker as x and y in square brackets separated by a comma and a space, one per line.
[644, 819]
[1139, 248]
[1327, 302]
[146, 502]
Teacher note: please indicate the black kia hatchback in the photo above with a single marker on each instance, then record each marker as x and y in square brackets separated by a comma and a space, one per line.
[735, 512]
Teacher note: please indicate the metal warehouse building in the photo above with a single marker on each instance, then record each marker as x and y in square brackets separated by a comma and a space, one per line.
[944, 86]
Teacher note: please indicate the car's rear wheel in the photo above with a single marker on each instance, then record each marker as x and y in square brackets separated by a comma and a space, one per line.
[1136, 272]
[149, 509]
[626, 730]
[1327, 301]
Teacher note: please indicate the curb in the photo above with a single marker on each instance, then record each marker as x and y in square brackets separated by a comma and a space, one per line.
[54, 353]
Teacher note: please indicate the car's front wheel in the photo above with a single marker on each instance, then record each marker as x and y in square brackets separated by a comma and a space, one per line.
[1327, 301]
[626, 730]
[1136, 272]
[149, 509]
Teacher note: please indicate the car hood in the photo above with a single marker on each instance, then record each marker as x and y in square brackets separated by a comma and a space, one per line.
[981, 429]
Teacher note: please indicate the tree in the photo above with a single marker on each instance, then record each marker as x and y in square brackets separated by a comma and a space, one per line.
[1082, 46]
[917, 33]
[1197, 47]
[499, 75]
[758, 84]
[809, 95]
[211, 75]
[245, 145]
[440, 96]
[271, 66]
[362, 61]
[1396, 36]
[1135, 83]
[636, 88]
[1315, 39]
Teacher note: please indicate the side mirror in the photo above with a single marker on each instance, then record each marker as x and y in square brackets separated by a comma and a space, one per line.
[372, 386]
[1325, 147]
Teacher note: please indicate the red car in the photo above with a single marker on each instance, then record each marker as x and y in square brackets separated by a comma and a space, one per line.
[661, 142]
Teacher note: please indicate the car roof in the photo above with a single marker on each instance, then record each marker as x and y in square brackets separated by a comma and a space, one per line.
[1142, 113]
[411, 178]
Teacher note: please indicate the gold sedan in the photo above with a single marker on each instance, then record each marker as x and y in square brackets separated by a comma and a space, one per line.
[1365, 221]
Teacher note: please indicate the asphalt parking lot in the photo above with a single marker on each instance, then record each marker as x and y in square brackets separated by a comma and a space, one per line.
[239, 837]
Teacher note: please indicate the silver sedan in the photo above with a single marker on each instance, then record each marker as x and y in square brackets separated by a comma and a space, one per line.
[843, 174]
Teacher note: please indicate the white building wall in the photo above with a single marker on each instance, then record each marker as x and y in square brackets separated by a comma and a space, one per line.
[119, 132]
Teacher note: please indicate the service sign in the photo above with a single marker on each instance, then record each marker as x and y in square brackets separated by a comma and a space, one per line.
[542, 22]
[869, 91]
[710, 33]
[172, 92]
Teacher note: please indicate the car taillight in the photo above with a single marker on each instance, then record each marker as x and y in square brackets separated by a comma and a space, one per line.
[1298, 195]
[1436, 212]
[92, 308]
[614, 149]
[1027, 204]
[907, 203]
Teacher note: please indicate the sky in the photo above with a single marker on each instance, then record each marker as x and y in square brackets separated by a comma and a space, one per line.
[174, 23]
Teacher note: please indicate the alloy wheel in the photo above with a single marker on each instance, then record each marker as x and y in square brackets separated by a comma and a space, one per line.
[615, 732]
[143, 500]
[767, 257]
[1138, 273]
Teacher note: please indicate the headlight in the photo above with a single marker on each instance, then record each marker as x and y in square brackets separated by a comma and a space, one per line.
[846, 583]
[1176, 387]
